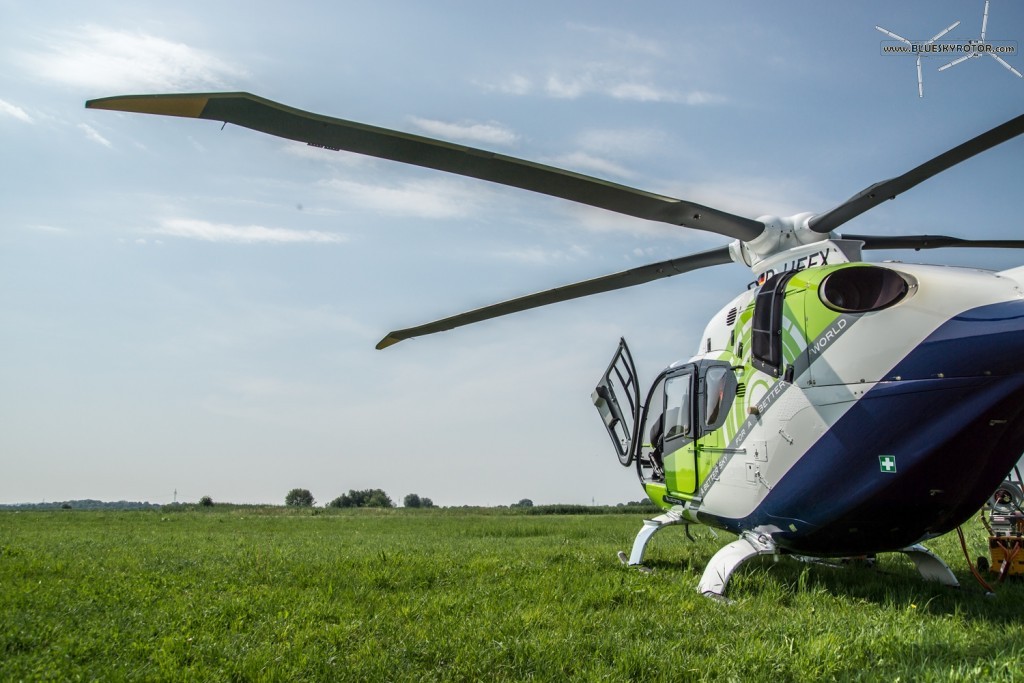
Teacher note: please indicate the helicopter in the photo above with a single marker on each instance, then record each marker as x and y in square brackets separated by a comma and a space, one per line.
[977, 49]
[835, 408]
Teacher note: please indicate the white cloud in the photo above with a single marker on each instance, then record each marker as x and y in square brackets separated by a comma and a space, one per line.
[241, 234]
[433, 198]
[8, 109]
[93, 135]
[594, 79]
[491, 133]
[608, 222]
[699, 97]
[621, 84]
[606, 80]
[515, 84]
[588, 163]
[102, 59]
[629, 142]
[609, 62]
[571, 88]
[602, 146]
[749, 196]
[542, 257]
[622, 40]
[52, 229]
[643, 92]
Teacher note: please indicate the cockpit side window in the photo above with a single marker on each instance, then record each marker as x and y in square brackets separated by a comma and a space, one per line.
[715, 390]
[679, 408]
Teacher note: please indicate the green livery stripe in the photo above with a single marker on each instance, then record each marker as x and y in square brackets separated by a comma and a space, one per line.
[806, 319]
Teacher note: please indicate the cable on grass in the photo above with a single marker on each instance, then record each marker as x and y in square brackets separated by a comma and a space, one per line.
[970, 565]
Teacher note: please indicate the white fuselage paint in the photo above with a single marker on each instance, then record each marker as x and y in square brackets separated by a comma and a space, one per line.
[846, 367]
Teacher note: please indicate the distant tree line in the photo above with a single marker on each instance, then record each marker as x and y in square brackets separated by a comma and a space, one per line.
[87, 504]
[353, 499]
[367, 498]
[633, 507]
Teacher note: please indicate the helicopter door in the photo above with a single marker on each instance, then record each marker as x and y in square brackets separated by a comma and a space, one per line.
[680, 429]
[697, 400]
[617, 399]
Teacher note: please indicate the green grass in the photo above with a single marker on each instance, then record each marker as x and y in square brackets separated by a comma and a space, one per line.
[276, 594]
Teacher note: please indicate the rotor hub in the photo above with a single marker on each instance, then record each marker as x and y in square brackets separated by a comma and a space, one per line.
[781, 233]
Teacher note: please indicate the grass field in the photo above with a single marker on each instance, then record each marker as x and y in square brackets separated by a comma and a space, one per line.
[277, 594]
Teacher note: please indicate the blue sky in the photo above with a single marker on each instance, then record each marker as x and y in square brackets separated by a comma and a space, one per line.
[195, 309]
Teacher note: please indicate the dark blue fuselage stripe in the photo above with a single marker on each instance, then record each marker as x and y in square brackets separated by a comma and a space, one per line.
[970, 365]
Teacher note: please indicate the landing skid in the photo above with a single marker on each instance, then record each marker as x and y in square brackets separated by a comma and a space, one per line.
[651, 527]
[728, 559]
[749, 545]
[930, 566]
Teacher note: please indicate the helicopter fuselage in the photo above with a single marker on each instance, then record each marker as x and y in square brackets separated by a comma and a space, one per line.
[841, 409]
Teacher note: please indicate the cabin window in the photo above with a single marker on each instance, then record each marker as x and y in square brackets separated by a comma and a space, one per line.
[689, 401]
[766, 330]
[715, 393]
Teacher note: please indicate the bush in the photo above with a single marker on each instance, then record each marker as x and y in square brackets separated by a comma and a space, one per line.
[299, 498]
[206, 502]
[367, 498]
[414, 501]
[524, 503]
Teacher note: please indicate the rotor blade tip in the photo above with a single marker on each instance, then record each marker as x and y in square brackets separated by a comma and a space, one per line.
[189, 106]
[386, 342]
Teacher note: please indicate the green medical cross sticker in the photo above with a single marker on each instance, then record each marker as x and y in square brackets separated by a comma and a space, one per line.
[887, 463]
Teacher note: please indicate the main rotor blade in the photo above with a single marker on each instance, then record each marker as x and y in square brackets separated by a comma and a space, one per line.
[957, 61]
[893, 35]
[918, 242]
[943, 32]
[266, 116]
[1002, 61]
[606, 283]
[888, 189]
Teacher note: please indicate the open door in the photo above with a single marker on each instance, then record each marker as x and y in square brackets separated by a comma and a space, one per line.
[617, 399]
[697, 399]
[674, 436]
[680, 429]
